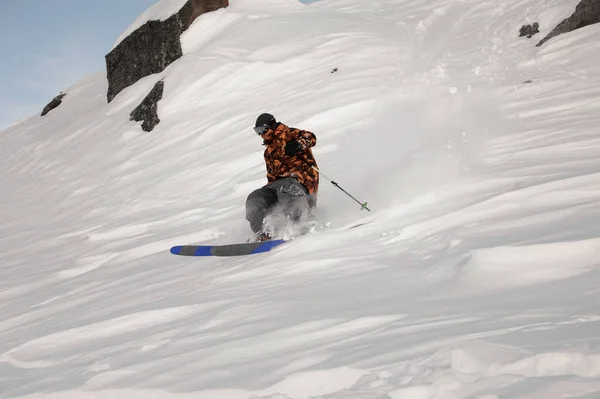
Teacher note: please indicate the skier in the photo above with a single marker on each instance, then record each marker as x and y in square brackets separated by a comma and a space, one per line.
[293, 180]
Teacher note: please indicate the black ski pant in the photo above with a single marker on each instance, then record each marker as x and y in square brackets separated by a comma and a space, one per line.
[287, 196]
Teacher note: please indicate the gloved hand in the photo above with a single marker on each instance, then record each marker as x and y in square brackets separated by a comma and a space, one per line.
[292, 148]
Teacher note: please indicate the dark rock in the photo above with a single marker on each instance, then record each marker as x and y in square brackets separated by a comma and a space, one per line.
[153, 46]
[334, 70]
[56, 101]
[147, 111]
[528, 81]
[586, 13]
[529, 30]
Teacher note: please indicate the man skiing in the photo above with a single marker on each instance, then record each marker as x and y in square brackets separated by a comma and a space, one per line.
[292, 177]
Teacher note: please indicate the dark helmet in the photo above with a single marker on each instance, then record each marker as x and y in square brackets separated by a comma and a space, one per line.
[264, 122]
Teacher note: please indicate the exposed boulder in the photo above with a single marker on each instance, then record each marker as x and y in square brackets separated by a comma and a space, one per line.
[529, 30]
[586, 13]
[56, 101]
[153, 46]
[147, 111]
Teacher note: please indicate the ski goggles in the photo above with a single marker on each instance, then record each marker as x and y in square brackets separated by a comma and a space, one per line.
[262, 129]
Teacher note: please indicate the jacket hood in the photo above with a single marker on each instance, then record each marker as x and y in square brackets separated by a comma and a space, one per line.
[272, 133]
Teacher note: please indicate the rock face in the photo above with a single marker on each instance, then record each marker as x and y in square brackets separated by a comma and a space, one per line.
[586, 13]
[56, 101]
[147, 111]
[529, 30]
[152, 47]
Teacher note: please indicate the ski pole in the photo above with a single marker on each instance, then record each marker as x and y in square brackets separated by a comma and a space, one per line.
[363, 205]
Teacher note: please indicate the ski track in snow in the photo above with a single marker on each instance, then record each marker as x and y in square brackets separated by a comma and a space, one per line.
[476, 275]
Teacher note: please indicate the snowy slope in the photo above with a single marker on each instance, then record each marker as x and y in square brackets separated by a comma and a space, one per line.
[477, 276]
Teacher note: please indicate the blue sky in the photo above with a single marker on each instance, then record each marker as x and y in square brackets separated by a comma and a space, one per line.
[48, 45]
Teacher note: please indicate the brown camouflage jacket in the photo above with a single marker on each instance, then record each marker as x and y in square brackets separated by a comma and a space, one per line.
[280, 165]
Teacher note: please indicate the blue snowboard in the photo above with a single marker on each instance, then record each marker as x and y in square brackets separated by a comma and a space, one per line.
[226, 250]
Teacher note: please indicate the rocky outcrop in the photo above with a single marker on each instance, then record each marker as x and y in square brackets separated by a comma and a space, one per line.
[147, 111]
[529, 30]
[153, 46]
[56, 101]
[586, 13]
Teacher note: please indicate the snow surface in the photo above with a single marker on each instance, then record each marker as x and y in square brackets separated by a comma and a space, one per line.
[476, 277]
[160, 11]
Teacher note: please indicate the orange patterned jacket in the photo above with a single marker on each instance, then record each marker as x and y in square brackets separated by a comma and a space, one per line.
[299, 166]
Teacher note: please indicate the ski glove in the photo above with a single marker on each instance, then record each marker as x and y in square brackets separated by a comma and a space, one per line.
[292, 148]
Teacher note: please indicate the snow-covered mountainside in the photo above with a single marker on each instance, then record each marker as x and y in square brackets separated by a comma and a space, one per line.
[476, 276]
